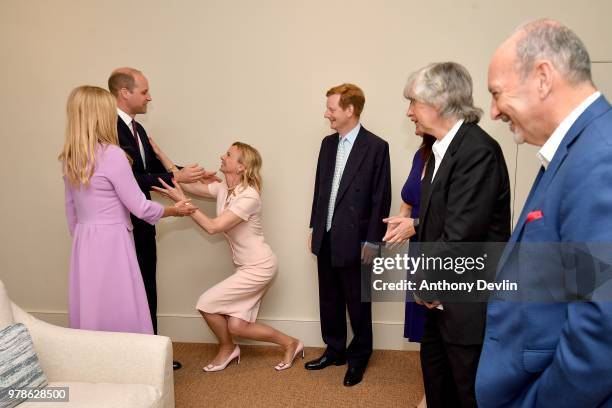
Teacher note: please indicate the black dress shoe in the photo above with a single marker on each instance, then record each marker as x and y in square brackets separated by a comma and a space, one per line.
[324, 361]
[353, 375]
[176, 365]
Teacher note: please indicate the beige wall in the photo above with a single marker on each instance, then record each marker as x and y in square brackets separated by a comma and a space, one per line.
[224, 71]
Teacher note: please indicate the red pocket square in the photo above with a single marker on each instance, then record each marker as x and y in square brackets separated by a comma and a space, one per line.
[534, 215]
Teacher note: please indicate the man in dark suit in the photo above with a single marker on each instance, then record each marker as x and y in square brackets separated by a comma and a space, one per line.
[552, 338]
[465, 198]
[351, 197]
[131, 89]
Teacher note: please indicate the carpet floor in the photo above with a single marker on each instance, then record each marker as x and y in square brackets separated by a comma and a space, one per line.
[393, 379]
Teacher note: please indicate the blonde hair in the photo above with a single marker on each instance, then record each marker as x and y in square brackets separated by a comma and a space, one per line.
[251, 160]
[92, 120]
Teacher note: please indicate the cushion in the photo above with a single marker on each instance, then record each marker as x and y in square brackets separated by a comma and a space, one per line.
[6, 311]
[19, 366]
[93, 395]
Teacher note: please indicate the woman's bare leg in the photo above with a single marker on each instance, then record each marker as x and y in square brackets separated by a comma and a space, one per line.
[219, 326]
[263, 332]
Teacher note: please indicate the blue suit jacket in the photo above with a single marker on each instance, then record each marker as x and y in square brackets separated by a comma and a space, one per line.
[556, 352]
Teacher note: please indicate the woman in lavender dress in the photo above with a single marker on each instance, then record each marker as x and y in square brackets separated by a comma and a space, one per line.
[106, 290]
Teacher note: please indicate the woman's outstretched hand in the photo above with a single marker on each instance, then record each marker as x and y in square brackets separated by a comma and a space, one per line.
[184, 207]
[175, 193]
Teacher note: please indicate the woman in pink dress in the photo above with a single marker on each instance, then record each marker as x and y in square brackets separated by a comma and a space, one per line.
[230, 307]
[106, 290]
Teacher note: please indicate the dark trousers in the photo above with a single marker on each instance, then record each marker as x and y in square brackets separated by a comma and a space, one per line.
[339, 290]
[449, 370]
[146, 252]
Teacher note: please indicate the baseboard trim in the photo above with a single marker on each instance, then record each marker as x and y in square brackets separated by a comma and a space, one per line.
[193, 329]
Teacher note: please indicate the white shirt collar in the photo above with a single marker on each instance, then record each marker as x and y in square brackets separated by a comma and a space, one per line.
[352, 135]
[548, 150]
[125, 117]
[440, 146]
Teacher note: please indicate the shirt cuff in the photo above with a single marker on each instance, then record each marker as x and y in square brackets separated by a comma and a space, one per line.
[371, 245]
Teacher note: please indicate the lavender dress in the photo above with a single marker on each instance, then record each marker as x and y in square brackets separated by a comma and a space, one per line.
[414, 320]
[106, 290]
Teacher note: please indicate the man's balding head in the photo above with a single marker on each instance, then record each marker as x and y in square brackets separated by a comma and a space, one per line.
[537, 77]
[122, 78]
[131, 89]
[547, 39]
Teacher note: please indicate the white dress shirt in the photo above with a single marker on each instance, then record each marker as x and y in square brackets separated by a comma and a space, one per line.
[439, 149]
[548, 150]
[127, 119]
[440, 146]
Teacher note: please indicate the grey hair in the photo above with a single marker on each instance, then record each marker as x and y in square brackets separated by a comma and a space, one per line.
[549, 39]
[448, 87]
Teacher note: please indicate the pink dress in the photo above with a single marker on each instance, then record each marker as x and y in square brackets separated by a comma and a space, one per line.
[240, 294]
[106, 290]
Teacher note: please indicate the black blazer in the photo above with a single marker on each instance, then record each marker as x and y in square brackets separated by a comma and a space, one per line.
[468, 201]
[146, 178]
[363, 199]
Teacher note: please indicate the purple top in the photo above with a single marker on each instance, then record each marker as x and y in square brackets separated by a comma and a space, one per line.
[111, 196]
[411, 192]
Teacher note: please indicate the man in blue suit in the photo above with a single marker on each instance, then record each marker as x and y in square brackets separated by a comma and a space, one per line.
[550, 342]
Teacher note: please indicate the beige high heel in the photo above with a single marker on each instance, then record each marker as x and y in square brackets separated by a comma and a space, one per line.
[284, 366]
[235, 354]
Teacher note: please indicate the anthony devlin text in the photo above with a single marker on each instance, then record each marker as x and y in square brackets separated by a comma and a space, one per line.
[444, 285]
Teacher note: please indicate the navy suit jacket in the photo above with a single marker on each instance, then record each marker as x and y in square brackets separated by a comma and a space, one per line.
[146, 177]
[541, 349]
[363, 199]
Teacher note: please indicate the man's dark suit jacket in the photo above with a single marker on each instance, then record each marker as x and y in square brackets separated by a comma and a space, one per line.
[146, 178]
[468, 201]
[144, 233]
[363, 199]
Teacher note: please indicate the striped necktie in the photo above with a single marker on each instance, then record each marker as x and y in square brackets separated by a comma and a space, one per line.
[340, 163]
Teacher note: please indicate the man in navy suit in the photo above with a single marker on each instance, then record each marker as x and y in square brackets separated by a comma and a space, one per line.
[352, 195]
[131, 89]
[549, 343]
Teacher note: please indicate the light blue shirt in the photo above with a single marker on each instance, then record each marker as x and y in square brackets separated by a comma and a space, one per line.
[350, 139]
[345, 145]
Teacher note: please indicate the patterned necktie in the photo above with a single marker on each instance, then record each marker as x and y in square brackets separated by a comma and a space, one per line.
[134, 131]
[340, 162]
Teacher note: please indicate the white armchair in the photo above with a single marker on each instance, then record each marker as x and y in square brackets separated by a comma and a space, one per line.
[101, 369]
